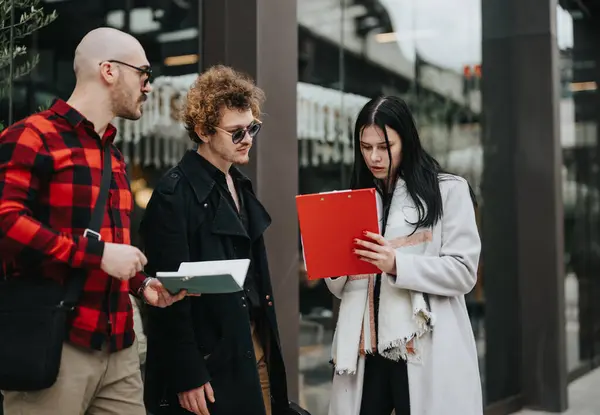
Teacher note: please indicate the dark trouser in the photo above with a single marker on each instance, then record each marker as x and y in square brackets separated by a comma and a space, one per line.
[385, 387]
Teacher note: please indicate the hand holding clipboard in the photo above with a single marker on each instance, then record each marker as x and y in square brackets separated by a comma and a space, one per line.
[329, 224]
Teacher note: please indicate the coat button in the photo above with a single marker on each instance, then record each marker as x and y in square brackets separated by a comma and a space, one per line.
[267, 297]
[270, 303]
[249, 354]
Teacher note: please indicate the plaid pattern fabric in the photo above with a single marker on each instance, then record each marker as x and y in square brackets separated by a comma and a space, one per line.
[50, 174]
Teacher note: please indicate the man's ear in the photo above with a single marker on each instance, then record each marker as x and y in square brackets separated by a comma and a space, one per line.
[108, 72]
[200, 134]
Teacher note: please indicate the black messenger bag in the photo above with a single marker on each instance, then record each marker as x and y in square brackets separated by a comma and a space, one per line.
[35, 312]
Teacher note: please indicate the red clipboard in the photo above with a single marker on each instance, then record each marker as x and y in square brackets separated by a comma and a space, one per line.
[329, 223]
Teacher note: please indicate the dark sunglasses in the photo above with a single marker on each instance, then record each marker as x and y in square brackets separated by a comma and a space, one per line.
[238, 135]
[144, 70]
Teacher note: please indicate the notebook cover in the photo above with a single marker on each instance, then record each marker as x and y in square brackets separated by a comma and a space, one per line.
[206, 284]
[207, 277]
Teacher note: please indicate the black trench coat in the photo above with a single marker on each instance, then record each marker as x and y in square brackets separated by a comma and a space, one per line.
[207, 338]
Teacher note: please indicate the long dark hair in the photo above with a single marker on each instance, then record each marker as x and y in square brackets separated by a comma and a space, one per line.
[419, 170]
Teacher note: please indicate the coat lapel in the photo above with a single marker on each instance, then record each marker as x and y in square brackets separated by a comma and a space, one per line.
[227, 221]
[257, 214]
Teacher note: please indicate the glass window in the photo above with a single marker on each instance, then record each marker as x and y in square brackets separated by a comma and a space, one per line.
[169, 33]
[579, 127]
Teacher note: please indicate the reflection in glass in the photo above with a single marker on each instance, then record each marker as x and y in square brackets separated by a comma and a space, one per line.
[580, 197]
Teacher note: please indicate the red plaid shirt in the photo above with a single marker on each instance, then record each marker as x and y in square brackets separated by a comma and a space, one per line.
[50, 174]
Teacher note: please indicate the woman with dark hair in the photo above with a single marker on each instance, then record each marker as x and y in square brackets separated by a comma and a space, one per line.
[403, 339]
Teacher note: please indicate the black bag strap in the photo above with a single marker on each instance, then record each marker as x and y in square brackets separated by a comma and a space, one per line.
[93, 229]
[74, 285]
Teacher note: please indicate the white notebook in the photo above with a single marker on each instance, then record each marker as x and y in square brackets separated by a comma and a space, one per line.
[207, 277]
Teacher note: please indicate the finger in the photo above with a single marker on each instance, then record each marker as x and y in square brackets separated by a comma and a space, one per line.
[183, 401]
[377, 238]
[139, 266]
[126, 275]
[180, 296]
[368, 254]
[194, 405]
[209, 392]
[202, 407]
[187, 402]
[369, 245]
[140, 255]
[150, 296]
[162, 298]
[369, 260]
[201, 402]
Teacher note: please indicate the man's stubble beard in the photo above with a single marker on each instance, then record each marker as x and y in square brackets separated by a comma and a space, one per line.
[121, 105]
[240, 160]
[244, 161]
[232, 158]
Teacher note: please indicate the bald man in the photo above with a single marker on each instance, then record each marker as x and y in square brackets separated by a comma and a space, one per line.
[50, 176]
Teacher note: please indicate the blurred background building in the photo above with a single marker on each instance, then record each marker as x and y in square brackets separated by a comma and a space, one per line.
[505, 94]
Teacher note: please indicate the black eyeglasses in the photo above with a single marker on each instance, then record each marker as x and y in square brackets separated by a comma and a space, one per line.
[238, 135]
[144, 70]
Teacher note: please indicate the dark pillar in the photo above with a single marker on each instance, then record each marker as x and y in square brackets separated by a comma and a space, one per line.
[259, 37]
[522, 212]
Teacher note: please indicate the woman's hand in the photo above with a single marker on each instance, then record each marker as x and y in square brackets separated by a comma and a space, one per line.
[378, 252]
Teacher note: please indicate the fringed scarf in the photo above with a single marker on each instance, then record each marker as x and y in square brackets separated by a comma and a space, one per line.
[404, 316]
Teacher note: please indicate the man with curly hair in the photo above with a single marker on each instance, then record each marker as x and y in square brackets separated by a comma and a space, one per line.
[215, 353]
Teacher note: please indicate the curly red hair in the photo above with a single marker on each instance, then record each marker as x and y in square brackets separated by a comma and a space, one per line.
[217, 88]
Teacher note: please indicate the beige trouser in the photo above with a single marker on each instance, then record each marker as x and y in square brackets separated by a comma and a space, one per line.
[263, 371]
[89, 383]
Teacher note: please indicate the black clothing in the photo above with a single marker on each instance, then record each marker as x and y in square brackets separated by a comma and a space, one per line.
[191, 217]
[250, 283]
[385, 387]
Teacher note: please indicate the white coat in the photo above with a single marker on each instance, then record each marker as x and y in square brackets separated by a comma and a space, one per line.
[447, 380]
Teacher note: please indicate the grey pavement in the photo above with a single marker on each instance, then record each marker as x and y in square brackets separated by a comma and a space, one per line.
[584, 398]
